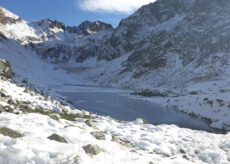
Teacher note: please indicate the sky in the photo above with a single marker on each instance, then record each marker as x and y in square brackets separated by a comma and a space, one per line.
[73, 12]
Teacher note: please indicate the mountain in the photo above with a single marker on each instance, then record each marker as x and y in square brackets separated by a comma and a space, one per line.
[171, 38]
[163, 38]
[175, 49]
[15, 35]
[173, 52]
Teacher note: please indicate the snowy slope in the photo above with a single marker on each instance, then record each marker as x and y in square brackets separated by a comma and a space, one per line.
[28, 65]
[123, 142]
[13, 27]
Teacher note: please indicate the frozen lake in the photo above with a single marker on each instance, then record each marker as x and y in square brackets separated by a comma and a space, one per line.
[117, 104]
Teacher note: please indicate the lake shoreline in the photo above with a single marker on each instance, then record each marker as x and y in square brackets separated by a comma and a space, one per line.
[84, 89]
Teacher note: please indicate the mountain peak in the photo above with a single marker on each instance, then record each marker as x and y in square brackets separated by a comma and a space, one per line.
[88, 27]
[50, 24]
[6, 17]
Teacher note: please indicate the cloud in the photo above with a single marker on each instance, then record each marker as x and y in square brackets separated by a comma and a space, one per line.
[111, 6]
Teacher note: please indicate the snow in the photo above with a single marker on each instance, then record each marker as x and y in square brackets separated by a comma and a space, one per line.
[164, 144]
[209, 101]
[92, 71]
[8, 13]
[137, 142]
[27, 64]
[183, 94]
[17, 31]
[142, 143]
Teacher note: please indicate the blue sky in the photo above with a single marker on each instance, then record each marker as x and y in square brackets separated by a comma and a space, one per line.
[73, 12]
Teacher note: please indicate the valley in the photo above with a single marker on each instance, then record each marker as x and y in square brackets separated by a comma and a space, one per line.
[154, 89]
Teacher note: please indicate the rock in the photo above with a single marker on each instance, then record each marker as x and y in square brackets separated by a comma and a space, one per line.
[57, 138]
[2, 94]
[123, 142]
[3, 90]
[5, 69]
[4, 99]
[91, 124]
[22, 105]
[92, 149]
[2, 109]
[55, 116]
[6, 109]
[11, 102]
[115, 139]
[25, 80]
[98, 135]
[10, 133]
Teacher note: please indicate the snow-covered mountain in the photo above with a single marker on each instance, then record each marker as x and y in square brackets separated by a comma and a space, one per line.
[184, 38]
[178, 47]
[168, 44]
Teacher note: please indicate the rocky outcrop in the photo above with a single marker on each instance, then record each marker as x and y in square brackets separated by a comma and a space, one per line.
[5, 69]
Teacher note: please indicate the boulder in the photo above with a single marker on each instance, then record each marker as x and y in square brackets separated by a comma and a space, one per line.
[57, 138]
[98, 135]
[10, 133]
[55, 116]
[5, 69]
[92, 149]
[91, 124]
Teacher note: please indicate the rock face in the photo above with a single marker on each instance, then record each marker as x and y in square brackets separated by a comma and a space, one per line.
[61, 44]
[5, 69]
